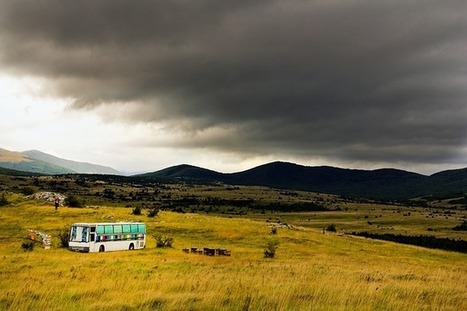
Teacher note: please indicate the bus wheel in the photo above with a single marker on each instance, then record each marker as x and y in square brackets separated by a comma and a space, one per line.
[101, 249]
[132, 247]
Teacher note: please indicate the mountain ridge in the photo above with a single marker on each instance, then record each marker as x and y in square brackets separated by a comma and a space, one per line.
[78, 167]
[385, 183]
[34, 161]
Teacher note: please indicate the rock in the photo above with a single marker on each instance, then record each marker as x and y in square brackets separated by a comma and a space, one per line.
[48, 197]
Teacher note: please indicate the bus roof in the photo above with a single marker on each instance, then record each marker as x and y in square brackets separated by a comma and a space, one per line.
[107, 223]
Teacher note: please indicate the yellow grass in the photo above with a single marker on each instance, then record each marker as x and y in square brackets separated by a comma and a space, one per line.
[311, 271]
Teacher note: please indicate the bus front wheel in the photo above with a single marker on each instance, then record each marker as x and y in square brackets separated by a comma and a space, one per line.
[101, 249]
[132, 247]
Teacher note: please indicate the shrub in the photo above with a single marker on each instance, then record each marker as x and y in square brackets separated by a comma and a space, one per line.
[28, 246]
[72, 201]
[461, 227]
[331, 228]
[271, 248]
[137, 210]
[153, 212]
[28, 190]
[273, 230]
[3, 199]
[164, 241]
[421, 240]
[64, 237]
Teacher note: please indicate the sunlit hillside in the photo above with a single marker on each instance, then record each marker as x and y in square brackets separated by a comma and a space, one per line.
[12, 156]
[311, 270]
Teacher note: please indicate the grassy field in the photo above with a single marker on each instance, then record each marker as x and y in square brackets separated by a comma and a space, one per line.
[311, 270]
[378, 218]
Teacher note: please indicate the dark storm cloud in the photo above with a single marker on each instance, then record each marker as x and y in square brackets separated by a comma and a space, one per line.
[348, 80]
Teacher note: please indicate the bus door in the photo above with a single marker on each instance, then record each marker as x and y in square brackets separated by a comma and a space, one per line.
[92, 234]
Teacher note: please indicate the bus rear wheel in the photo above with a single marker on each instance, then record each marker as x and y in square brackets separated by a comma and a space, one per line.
[101, 249]
[132, 247]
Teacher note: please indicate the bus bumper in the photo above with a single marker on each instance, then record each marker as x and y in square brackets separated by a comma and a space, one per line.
[81, 249]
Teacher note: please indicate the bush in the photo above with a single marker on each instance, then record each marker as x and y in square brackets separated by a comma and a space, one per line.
[137, 211]
[3, 199]
[270, 250]
[72, 201]
[421, 240]
[331, 228]
[461, 227]
[164, 241]
[28, 190]
[273, 230]
[28, 246]
[153, 212]
[64, 237]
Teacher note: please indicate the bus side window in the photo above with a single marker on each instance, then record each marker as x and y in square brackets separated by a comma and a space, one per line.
[84, 236]
[92, 237]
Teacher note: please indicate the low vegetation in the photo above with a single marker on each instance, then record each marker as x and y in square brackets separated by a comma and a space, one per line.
[28, 246]
[137, 211]
[3, 199]
[153, 212]
[164, 241]
[271, 248]
[280, 259]
[309, 270]
[461, 227]
[63, 237]
[421, 240]
[74, 201]
[331, 228]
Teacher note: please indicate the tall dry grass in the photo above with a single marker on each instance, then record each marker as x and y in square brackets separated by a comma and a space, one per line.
[311, 271]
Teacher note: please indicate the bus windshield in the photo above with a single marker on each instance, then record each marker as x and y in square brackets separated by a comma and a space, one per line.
[79, 234]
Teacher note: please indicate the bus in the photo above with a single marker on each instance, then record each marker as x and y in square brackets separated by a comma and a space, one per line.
[102, 237]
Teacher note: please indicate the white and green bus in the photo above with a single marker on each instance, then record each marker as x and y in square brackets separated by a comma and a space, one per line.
[102, 237]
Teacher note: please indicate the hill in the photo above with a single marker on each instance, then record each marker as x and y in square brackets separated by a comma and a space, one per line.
[21, 162]
[185, 172]
[380, 184]
[77, 167]
[386, 184]
[43, 163]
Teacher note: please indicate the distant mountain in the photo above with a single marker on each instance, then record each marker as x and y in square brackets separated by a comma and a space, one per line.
[21, 162]
[78, 167]
[382, 183]
[385, 184]
[377, 184]
[42, 163]
[453, 181]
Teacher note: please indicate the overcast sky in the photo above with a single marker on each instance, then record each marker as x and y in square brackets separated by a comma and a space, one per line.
[227, 85]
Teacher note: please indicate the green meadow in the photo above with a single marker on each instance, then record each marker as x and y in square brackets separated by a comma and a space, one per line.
[311, 270]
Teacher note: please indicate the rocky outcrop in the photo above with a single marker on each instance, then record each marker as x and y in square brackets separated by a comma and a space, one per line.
[48, 197]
